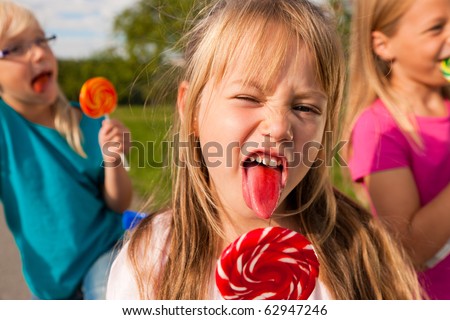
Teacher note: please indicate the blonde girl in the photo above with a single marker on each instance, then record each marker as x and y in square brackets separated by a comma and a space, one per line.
[398, 111]
[258, 71]
[60, 204]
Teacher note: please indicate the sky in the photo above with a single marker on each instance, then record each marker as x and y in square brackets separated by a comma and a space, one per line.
[82, 26]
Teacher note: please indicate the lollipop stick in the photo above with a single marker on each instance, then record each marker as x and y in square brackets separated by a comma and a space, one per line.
[123, 159]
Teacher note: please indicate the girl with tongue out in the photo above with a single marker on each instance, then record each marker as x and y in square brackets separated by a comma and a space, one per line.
[61, 205]
[262, 82]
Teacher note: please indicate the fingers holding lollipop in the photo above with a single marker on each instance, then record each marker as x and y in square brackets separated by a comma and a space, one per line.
[114, 139]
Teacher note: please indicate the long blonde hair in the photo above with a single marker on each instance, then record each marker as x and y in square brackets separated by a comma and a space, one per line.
[369, 74]
[14, 19]
[358, 259]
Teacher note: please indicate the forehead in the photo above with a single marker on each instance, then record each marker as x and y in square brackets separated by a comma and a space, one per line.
[19, 30]
[296, 66]
[262, 53]
[422, 13]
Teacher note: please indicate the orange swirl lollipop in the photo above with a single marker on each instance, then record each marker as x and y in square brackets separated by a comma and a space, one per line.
[98, 97]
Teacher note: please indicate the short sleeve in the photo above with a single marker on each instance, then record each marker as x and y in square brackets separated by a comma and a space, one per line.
[377, 145]
[121, 282]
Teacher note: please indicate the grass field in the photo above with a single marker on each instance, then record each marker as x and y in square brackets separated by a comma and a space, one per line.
[148, 162]
[147, 158]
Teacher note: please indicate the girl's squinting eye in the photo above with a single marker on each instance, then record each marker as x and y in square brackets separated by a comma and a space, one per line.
[248, 99]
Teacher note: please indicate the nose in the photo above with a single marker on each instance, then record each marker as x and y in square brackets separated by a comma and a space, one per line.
[277, 126]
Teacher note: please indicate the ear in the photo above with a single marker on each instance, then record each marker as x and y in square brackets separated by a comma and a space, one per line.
[181, 104]
[181, 99]
[381, 46]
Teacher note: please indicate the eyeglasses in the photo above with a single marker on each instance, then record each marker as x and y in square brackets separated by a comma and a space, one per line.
[22, 48]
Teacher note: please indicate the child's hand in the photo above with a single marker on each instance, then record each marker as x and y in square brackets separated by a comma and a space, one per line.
[114, 139]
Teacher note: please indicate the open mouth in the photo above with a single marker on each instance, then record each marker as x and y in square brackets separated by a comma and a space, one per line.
[263, 179]
[39, 82]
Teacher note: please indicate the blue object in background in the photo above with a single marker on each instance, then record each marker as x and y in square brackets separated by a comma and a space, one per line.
[130, 219]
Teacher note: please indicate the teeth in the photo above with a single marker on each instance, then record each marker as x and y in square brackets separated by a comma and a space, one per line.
[273, 163]
[267, 161]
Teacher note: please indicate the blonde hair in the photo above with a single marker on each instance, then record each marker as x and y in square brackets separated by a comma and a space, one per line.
[14, 19]
[358, 258]
[369, 74]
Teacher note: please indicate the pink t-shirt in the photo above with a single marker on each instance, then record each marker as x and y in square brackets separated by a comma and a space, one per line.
[378, 144]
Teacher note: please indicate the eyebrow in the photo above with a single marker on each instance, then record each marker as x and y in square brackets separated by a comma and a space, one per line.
[248, 83]
[305, 93]
[312, 93]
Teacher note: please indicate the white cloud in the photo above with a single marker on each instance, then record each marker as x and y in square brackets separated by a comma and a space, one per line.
[82, 26]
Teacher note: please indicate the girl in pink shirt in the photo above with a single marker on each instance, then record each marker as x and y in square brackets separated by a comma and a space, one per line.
[399, 115]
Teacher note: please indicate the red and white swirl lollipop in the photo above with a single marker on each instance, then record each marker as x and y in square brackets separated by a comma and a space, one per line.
[271, 263]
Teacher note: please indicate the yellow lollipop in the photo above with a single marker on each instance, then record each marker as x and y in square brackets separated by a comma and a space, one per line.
[445, 68]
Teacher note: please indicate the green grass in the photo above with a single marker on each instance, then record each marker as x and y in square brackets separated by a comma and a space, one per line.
[149, 129]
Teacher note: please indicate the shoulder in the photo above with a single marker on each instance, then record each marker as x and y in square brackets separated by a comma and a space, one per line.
[5, 110]
[121, 283]
[149, 252]
[376, 130]
[377, 143]
[375, 118]
[320, 292]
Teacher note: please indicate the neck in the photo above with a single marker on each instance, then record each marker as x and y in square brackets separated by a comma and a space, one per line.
[39, 114]
[420, 99]
[234, 228]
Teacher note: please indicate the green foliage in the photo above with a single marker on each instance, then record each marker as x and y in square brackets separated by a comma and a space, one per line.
[343, 15]
[149, 30]
[151, 27]
[73, 73]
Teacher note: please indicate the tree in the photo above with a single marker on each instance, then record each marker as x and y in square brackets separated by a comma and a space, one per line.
[149, 30]
[151, 27]
[342, 9]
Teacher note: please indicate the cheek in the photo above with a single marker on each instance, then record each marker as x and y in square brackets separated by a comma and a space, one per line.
[308, 143]
[13, 79]
[310, 132]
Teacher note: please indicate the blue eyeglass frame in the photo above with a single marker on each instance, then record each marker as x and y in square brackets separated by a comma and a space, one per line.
[4, 53]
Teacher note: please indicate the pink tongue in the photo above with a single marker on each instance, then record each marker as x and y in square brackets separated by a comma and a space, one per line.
[40, 82]
[262, 187]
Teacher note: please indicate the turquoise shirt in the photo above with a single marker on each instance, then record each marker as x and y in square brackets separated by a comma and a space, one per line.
[53, 203]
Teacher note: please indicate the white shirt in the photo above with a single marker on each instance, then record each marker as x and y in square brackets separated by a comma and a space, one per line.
[122, 282]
